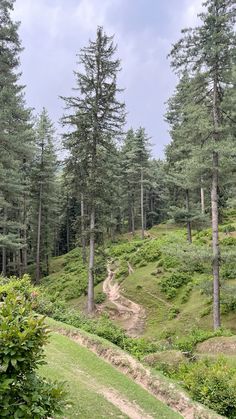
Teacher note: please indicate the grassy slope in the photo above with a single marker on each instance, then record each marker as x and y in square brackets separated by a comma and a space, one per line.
[87, 375]
[144, 288]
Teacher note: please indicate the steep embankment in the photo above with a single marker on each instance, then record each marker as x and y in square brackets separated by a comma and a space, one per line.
[96, 388]
[119, 387]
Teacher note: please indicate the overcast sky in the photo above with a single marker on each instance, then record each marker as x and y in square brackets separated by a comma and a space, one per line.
[53, 31]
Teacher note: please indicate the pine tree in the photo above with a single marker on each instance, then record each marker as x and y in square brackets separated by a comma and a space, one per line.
[15, 144]
[208, 49]
[135, 156]
[43, 194]
[97, 117]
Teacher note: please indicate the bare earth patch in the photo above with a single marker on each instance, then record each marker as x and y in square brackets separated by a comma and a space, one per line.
[130, 314]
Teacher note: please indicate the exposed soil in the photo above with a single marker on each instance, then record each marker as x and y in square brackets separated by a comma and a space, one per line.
[129, 408]
[131, 315]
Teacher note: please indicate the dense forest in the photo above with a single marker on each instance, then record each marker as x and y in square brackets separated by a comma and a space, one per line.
[108, 184]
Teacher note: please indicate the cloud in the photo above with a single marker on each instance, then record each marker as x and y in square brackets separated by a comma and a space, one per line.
[192, 11]
[53, 31]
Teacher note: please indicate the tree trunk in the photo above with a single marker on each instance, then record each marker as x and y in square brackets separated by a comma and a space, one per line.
[83, 238]
[38, 270]
[132, 219]
[4, 250]
[19, 263]
[215, 211]
[189, 227]
[24, 249]
[215, 243]
[4, 261]
[202, 200]
[142, 208]
[91, 262]
[67, 226]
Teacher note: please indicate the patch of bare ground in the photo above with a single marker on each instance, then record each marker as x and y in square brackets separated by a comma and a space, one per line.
[158, 386]
[131, 315]
[131, 409]
[127, 407]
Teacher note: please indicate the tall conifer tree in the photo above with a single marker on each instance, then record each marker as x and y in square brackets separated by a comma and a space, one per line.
[209, 49]
[99, 114]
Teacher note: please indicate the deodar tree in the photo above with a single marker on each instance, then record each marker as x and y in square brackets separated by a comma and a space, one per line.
[15, 148]
[43, 195]
[208, 49]
[96, 119]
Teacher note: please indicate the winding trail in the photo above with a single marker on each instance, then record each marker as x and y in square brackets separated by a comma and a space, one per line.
[131, 314]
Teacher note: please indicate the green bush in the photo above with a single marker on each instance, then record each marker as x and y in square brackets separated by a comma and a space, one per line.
[100, 298]
[173, 313]
[123, 270]
[22, 286]
[22, 337]
[195, 336]
[149, 252]
[227, 228]
[212, 383]
[124, 249]
[228, 241]
[171, 283]
[228, 271]
[186, 293]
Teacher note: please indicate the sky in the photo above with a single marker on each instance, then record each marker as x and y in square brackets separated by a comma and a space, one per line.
[53, 31]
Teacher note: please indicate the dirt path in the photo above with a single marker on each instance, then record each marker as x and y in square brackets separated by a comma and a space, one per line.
[127, 407]
[131, 315]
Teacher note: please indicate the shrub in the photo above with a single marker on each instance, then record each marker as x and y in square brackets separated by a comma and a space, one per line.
[167, 361]
[100, 297]
[195, 336]
[171, 283]
[229, 241]
[148, 252]
[186, 294]
[22, 286]
[228, 271]
[173, 313]
[124, 249]
[227, 228]
[212, 383]
[22, 337]
[123, 270]
[140, 347]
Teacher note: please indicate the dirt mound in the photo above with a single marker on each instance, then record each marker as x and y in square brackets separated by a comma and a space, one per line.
[218, 345]
[170, 358]
[130, 314]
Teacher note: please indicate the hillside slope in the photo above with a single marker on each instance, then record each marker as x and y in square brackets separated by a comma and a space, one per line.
[168, 281]
[98, 390]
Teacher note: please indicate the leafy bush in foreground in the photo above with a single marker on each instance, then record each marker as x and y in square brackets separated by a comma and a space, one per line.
[211, 382]
[22, 336]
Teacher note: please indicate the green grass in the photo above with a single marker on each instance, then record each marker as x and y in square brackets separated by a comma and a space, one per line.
[68, 278]
[86, 375]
